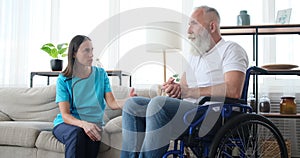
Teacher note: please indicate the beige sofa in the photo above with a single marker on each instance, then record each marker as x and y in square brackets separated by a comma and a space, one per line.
[26, 116]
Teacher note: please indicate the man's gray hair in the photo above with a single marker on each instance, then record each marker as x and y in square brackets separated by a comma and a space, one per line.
[208, 9]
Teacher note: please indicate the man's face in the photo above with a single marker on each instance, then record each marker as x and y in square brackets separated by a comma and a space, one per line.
[199, 35]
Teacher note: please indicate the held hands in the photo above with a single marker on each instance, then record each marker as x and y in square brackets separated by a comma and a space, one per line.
[172, 88]
[92, 130]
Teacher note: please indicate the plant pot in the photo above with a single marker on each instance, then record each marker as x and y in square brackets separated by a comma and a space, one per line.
[56, 64]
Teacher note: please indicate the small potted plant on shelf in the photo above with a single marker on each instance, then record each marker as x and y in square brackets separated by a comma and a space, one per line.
[56, 52]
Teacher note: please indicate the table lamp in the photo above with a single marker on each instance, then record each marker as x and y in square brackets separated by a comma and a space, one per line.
[164, 37]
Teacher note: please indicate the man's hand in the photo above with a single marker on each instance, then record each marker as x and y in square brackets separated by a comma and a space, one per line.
[92, 130]
[186, 92]
[171, 88]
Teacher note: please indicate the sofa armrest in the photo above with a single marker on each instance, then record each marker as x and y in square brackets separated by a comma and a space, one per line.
[114, 125]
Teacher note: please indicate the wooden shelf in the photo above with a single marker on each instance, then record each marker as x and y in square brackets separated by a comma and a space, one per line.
[261, 29]
[278, 115]
[263, 71]
[256, 31]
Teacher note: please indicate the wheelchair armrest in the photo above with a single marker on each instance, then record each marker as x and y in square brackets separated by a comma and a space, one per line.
[226, 100]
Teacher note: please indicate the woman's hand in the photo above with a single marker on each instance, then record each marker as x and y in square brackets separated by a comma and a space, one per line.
[92, 130]
[132, 93]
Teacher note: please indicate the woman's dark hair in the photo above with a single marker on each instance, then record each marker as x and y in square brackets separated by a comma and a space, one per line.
[72, 50]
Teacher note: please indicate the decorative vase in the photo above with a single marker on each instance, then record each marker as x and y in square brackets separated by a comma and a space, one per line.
[56, 64]
[288, 105]
[243, 18]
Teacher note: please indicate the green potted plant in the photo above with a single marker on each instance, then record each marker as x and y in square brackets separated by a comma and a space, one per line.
[176, 77]
[56, 52]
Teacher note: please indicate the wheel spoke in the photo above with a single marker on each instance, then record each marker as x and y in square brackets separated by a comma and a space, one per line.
[252, 137]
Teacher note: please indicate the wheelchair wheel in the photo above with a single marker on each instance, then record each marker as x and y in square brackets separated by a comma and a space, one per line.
[248, 135]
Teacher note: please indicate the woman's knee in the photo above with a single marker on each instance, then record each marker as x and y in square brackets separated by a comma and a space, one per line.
[65, 132]
[77, 133]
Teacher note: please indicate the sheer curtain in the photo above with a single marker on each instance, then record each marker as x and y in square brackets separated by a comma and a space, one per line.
[23, 23]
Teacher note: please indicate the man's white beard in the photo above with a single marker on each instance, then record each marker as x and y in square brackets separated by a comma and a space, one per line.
[201, 43]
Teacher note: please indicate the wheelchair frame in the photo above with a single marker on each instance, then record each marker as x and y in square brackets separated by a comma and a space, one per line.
[227, 141]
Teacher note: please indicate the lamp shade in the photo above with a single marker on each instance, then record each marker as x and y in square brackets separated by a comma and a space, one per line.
[163, 36]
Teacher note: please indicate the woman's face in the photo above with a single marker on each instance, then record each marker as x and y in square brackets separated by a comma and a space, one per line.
[84, 55]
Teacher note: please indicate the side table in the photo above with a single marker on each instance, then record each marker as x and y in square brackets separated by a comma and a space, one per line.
[119, 73]
[49, 74]
[43, 73]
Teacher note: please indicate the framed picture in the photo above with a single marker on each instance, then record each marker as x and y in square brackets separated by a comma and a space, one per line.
[283, 16]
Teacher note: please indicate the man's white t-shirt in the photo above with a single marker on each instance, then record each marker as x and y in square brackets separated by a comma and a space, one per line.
[208, 69]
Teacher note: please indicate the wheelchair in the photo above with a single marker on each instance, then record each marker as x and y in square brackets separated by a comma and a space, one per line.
[245, 135]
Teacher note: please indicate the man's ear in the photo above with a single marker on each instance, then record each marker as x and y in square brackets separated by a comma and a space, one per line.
[212, 27]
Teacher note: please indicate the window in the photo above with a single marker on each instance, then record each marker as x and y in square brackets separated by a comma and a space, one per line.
[80, 17]
[133, 40]
[23, 25]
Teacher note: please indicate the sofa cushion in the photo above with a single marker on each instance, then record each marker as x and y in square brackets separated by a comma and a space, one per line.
[21, 133]
[41, 153]
[120, 92]
[4, 117]
[47, 141]
[32, 104]
[17, 152]
[149, 91]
